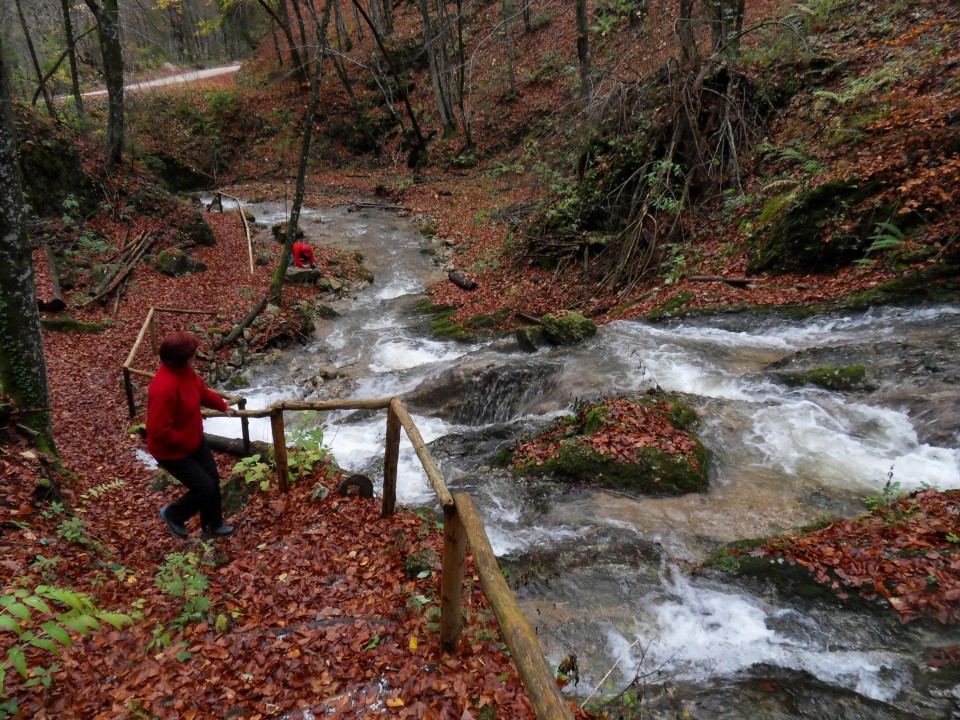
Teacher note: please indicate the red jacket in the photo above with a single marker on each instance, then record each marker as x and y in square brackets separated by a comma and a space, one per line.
[174, 423]
[302, 254]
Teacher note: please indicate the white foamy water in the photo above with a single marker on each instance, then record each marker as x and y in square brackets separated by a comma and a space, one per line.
[769, 445]
[691, 631]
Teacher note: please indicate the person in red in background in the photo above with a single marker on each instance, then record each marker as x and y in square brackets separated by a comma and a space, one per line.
[175, 436]
[303, 255]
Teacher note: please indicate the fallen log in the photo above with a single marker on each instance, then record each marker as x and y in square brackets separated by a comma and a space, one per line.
[244, 324]
[527, 318]
[378, 206]
[128, 262]
[234, 446]
[57, 304]
[736, 282]
[460, 281]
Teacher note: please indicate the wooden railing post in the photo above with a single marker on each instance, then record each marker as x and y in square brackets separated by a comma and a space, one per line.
[451, 580]
[244, 425]
[128, 386]
[537, 678]
[391, 458]
[154, 341]
[280, 449]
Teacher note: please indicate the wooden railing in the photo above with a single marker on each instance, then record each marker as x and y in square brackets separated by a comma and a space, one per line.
[462, 526]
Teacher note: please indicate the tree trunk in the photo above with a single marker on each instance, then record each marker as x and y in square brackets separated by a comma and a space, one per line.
[433, 37]
[23, 367]
[508, 42]
[419, 139]
[47, 100]
[72, 56]
[387, 16]
[276, 285]
[583, 49]
[283, 20]
[108, 28]
[304, 50]
[461, 77]
[688, 41]
[175, 15]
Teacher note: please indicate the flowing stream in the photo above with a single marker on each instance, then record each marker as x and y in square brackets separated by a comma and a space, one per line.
[609, 577]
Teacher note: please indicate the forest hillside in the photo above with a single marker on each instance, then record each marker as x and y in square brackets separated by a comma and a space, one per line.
[641, 159]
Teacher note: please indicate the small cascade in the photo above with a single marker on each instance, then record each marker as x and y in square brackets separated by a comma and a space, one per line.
[607, 575]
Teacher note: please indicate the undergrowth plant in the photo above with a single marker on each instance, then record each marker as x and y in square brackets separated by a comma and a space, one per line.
[48, 618]
[308, 448]
[181, 577]
[253, 470]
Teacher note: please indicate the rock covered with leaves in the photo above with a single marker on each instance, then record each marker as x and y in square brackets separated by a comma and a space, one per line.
[641, 444]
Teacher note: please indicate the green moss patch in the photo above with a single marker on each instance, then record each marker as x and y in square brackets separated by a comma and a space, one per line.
[638, 445]
[848, 377]
[441, 324]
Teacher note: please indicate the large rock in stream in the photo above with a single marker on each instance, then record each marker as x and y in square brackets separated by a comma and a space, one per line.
[642, 444]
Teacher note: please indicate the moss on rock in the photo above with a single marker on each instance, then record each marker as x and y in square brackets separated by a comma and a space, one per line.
[640, 445]
[848, 377]
[569, 329]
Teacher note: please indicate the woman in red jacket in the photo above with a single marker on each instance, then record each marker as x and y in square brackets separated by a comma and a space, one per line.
[303, 255]
[175, 436]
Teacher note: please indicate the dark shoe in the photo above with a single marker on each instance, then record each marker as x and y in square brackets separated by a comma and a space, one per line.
[223, 531]
[175, 527]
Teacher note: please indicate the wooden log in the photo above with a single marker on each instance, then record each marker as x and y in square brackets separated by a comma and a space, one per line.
[57, 304]
[378, 206]
[344, 404]
[451, 580]
[280, 450]
[128, 386]
[736, 282]
[235, 446]
[246, 225]
[460, 281]
[154, 340]
[244, 324]
[426, 459]
[114, 281]
[537, 679]
[391, 458]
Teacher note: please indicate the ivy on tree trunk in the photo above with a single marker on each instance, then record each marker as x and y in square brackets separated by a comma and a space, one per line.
[23, 367]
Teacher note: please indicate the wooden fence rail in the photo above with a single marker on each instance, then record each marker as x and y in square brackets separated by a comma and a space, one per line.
[462, 526]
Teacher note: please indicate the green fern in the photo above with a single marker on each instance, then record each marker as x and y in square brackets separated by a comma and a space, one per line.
[886, 237]
[48, 618]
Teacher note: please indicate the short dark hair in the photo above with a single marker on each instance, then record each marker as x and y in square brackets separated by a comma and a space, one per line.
[177, 349]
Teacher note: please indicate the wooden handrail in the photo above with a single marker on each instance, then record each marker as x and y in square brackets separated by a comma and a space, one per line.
[517, 632]
[426, 459]
[462, 525]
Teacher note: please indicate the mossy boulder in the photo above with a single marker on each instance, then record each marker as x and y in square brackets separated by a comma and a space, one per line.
[420, 562]
[177, 263]
[51, 166]
[195, 230]
[642, 445]
[828, 377]
[279, 231]
[530, 338]
[797, 228]
[441, 324]
[70, 325]
[175, 174]
[568, 329]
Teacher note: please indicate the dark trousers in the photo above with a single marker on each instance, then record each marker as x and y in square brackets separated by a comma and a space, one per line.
[198, 473]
